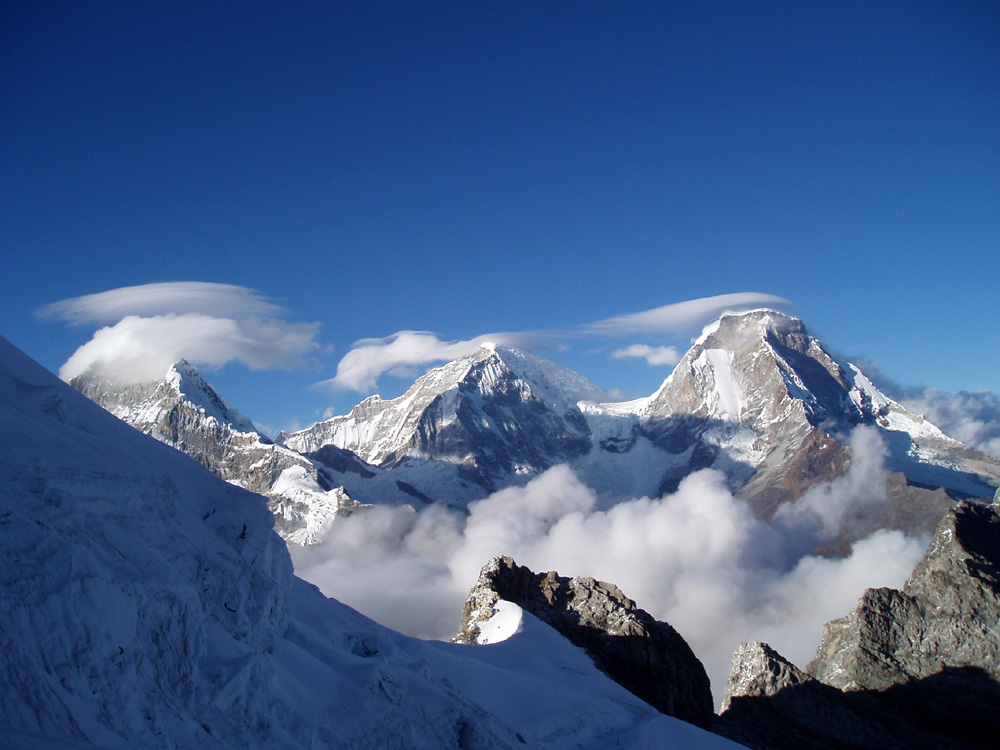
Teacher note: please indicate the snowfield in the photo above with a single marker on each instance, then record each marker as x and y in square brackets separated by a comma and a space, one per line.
[144, 603]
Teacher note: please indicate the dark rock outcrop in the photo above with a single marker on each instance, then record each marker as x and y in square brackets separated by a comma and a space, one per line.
[647, 657]
[946, 615]
[916, 668]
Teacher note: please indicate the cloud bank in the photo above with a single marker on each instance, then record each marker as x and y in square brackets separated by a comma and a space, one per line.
[970, 417]
[973, 418]
[698, 559]
[156, 325]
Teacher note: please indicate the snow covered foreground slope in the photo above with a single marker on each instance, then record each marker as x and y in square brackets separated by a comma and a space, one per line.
[146, 603]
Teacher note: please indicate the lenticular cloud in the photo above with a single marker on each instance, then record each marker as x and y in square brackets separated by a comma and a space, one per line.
[156, 325]
[168, 298]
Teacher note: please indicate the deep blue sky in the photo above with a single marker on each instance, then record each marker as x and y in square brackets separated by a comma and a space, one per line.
[446, 167]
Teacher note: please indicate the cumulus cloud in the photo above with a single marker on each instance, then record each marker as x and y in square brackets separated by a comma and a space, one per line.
[168, 298]
[698, 559]
[368, 359]
[654, 355]
[681, 315]
[156, 325]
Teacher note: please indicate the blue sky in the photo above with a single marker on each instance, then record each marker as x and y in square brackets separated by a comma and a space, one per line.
[443, 167]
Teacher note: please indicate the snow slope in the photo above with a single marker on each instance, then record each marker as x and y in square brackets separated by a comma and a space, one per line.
[144, 603]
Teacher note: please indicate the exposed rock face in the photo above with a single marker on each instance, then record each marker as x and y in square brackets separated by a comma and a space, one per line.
[913, 668]
[771, 705]
[759, 670]
[647, 657]
[946, 615]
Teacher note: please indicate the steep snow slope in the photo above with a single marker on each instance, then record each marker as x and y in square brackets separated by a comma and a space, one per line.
[184, 411]
[144, 603]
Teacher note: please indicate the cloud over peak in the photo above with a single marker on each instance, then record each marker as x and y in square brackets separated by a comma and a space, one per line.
[369, 359]
[681, 315]
[155, 325]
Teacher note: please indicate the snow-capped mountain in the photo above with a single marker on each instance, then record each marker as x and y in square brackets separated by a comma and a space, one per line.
[184, 411]
[495, 414]
[147, 604]
[760, 398]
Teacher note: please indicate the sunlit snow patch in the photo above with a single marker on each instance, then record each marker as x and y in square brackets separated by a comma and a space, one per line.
[508, 620]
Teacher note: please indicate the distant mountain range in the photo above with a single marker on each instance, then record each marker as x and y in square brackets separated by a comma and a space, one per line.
[756, 397]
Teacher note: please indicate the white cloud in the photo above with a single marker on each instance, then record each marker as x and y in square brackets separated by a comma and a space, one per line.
[654, 355]
[155, 325]
[141, 349]
[681, 315]
[368, 359]
[844, 504]
[176, 297]
[698, 559]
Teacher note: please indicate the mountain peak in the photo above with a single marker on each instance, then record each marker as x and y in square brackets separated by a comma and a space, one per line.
[752, 325]
[188, 382]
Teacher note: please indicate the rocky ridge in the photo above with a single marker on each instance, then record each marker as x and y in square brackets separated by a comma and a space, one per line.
[947, 614]
[759, 397]
[917, 667]
[647, 657]
[756, 397]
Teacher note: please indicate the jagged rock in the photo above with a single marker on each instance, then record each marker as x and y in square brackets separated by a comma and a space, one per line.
[759, 670]
[647, 657]
[917, 668]
[946, 615]
[771, 703]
